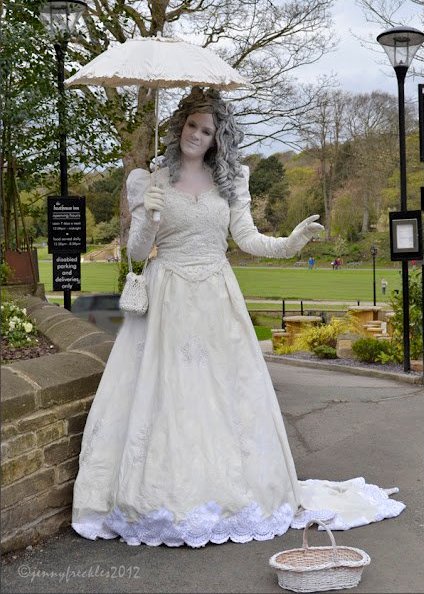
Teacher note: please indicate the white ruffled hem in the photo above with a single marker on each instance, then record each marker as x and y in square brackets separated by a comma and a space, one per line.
[372, 495]
[206, 524]
[202, 525]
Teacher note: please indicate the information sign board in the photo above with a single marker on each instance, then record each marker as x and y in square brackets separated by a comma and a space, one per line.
[66, 272]
[66, 224]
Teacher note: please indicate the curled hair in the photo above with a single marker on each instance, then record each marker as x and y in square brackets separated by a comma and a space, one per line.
[223, 156]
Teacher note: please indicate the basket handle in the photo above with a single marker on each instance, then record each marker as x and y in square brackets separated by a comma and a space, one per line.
[330, 534]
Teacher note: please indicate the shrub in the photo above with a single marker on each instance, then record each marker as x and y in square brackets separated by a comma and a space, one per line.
[325, 352]
[370, 350]
[16, 327]
[415, 319]
[323, 335]
[5, 272]
[284, 349]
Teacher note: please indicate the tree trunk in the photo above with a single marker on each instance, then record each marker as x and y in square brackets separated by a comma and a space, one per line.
[365, 219]
[325, 195]
[140, 153]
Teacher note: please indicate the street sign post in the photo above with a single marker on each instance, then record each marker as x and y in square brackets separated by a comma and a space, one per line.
[66, 241]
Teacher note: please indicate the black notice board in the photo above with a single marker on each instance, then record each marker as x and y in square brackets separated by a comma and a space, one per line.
[66, 272]
[406, 236]
[421, 119]
[66, 224]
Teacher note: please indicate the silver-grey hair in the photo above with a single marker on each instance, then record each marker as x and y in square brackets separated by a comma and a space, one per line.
[223, 157]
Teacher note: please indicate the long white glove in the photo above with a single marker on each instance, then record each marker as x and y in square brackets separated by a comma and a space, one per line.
[302, 233]
[154, 200]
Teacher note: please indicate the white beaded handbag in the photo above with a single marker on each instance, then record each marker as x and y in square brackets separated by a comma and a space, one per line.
[134, 297]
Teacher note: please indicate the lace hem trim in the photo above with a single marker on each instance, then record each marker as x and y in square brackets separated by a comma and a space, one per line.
[202, 525]
[207, 524]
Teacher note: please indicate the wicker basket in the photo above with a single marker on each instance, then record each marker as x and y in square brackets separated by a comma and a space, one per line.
[316, 569]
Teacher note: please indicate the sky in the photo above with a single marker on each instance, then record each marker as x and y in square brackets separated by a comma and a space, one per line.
[360, 69]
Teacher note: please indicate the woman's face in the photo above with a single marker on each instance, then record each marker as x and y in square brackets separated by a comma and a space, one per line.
[198, 135]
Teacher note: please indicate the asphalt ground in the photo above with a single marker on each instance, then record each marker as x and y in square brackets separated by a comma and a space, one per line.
[340, 426]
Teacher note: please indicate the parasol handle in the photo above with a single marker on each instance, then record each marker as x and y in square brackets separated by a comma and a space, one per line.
[156, 213]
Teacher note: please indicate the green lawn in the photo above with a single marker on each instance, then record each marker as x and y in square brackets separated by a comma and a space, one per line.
[324, 284]
[271, 283]
[96, 277]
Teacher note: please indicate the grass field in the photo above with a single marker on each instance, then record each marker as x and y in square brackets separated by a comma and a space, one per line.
[325, 284]
[96, 277]
[265, 283]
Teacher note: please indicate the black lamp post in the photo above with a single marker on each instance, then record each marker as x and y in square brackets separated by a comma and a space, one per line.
[60, 17]
[401, 45]
[374, 254]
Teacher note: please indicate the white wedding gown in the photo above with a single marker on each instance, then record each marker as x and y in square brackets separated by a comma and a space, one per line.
[185, 442]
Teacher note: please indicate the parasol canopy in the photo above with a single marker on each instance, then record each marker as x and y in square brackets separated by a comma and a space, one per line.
[158, 62]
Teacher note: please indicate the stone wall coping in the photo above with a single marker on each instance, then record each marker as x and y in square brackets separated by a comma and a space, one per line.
[76, 370]
[45, 402]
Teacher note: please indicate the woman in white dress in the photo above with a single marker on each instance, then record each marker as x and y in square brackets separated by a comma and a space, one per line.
[185, 442]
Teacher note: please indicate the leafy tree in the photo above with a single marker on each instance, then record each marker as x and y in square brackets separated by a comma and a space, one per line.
[103, 194]
[252, 161]
[29, 133]
[322, 130]
[266, 41]
[90, 225]
[106, 231]
[276, 207]
[268, 172]
[305, 195]
[390, 191]
[269, 190]
[372, 128]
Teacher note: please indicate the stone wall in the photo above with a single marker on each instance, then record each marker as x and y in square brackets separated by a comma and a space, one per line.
[45, 402]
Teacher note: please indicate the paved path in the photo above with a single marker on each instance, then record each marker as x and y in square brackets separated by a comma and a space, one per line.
[340, 426]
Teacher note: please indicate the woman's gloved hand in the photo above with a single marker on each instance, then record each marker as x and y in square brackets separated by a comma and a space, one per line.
[302, 233]
[154, 200]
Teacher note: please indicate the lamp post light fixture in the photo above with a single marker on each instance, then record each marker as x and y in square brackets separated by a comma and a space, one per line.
[60, 18]
[374, 254]
[401, 45]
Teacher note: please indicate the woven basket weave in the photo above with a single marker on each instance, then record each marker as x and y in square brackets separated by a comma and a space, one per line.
[316, 569]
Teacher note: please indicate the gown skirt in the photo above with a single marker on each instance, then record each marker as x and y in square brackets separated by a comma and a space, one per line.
[185, 442]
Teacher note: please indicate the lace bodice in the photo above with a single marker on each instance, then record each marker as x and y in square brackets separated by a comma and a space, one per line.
[191, 236]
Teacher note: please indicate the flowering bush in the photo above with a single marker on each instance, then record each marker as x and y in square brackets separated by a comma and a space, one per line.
[326, 335]
[16, 327]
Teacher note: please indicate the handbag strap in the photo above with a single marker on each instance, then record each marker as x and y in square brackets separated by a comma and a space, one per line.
[130, 268]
